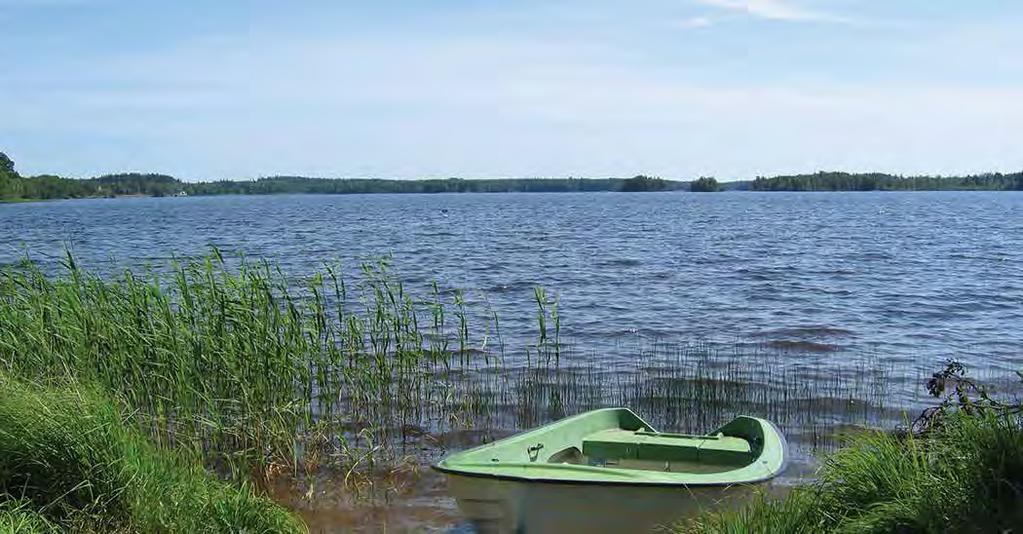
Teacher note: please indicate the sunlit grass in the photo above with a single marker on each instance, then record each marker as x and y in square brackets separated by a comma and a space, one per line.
[17, 517]
[69, 461]
[965, 477]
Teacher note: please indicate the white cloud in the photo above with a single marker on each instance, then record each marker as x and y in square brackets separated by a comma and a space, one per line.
[695, 22]
[774, 10]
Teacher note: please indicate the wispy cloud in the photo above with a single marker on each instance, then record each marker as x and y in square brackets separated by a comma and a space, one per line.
[695, 22]
[775, 10]
[466, 96]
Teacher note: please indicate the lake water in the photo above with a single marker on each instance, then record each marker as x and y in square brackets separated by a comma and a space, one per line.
[900, 279]
[912, 277]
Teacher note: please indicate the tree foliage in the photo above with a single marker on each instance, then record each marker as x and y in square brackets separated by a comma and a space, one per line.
[844, 181]
[705, 184]
[6, 164]
[297, 184]
[644, 183]
[16, 187]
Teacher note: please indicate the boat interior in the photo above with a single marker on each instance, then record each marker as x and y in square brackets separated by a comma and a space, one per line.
[659, 451]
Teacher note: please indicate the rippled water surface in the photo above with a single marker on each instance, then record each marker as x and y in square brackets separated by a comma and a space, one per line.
[911, 276]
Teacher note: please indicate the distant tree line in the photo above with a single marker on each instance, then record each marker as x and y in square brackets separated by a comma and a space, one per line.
[13, 186]
[844, 181]
[298, 184]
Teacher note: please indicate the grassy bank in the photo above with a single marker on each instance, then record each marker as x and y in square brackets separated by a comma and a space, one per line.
[964, 474]
[68, 462]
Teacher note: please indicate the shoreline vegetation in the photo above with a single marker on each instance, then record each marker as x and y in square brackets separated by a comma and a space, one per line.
[197, 385]
[957, 468]
[232, 370]
[14, 187]
[70, 462]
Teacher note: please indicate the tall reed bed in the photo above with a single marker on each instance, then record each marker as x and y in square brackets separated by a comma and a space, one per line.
[254, 370]
[243, 365]
[688, 388]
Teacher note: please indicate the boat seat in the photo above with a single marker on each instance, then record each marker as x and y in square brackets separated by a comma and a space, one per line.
[663, 447]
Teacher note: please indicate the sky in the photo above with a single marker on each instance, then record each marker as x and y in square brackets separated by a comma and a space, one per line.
[475, 88]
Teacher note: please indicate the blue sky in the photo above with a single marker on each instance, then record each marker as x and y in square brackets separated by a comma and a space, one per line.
[400, 89]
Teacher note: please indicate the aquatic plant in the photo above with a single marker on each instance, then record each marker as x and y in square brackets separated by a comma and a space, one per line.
[261, 374]
[238, 364]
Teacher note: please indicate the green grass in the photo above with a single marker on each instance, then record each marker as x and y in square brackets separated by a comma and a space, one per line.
[233, 364]
[965, 476]
[69, 461]
[17, 517]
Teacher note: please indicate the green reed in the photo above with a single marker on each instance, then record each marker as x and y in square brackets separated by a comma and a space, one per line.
[547, 313]
[258, 372]
[691, 388]
[236, 363]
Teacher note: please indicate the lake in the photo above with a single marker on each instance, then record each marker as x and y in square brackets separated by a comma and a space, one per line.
[826, 309]
[914, 277]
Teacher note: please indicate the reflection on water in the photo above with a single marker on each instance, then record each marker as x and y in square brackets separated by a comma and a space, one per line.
[403, 500]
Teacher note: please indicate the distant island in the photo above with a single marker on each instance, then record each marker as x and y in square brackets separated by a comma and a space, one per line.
[15, 187]
[844, 181]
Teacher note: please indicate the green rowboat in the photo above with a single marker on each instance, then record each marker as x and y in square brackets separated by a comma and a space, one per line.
[608, 471]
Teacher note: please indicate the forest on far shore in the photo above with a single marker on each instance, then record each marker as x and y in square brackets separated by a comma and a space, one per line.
[15, 187]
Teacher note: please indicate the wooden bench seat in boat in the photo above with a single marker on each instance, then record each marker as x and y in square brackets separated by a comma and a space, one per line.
[619, 444]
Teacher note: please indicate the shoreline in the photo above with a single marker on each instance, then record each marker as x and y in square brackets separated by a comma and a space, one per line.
[311, 193]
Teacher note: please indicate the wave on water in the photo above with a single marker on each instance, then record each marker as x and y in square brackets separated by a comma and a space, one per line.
[620, 262]
[518, 285]
[802, 346]
[808, 331]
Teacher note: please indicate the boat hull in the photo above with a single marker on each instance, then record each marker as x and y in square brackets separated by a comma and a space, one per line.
[500, 506]
[607, 470]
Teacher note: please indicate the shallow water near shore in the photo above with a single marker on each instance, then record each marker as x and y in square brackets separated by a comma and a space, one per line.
[688, 390]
